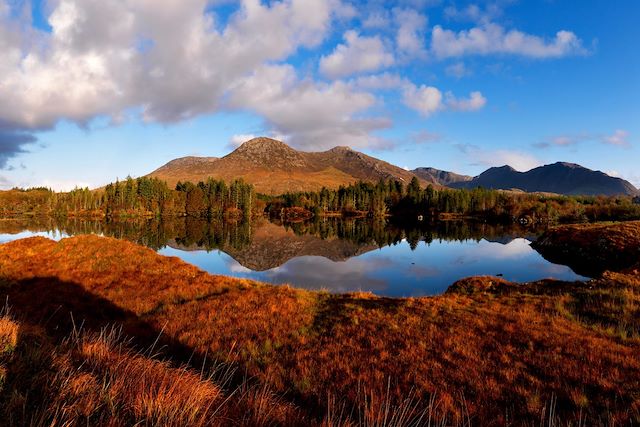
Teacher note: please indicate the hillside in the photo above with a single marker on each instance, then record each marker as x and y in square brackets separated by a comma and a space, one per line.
[560, 178]
[275, 168]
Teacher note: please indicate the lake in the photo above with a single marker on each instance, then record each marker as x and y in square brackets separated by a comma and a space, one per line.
[333, 254]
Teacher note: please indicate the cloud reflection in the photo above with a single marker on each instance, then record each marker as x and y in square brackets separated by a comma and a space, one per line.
[316, 272]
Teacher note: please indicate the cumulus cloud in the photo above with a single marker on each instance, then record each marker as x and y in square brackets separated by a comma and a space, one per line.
[410, 35]
[494, 39]
[168, 57]
[311, 114]
[172, 61]
[428, 100]
[358, 54]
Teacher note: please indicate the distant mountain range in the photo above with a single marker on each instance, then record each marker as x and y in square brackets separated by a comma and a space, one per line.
[560, 178]
[275, 168]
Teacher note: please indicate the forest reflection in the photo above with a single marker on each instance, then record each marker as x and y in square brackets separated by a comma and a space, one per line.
[233, 236]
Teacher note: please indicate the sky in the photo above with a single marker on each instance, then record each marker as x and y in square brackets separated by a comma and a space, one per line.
[94, 90]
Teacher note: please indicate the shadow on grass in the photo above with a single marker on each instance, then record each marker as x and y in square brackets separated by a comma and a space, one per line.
[61, 307]
[61, 310]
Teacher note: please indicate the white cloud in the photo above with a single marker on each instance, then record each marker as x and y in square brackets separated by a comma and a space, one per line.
[428, 100]
[411, 32]
[494, 39]
[171, 61]
[92, 63]
[475, 102]
[619, 138]
[358, 54]
[312, 115]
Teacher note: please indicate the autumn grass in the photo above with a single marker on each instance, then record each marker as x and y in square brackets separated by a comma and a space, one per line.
[488, 352]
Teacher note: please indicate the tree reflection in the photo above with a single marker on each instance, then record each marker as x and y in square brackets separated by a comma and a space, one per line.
[192, 233]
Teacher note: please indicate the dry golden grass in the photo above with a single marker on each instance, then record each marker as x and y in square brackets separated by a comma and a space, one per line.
[96, 379]
[487, 352]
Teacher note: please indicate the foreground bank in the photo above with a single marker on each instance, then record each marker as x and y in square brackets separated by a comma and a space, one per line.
[486, 352]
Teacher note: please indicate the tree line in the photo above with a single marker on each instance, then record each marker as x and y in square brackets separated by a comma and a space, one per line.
[393, 198]
[215, 199]
[137, 197]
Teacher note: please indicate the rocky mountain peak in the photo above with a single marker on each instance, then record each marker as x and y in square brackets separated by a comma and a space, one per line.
[341, 149]
[269, 153]
[262, 144]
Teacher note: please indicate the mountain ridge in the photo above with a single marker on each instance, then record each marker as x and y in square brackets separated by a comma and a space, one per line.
[275, 168]
[559, 177]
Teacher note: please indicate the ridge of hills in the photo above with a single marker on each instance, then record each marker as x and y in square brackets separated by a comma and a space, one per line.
[275, 168]
[560, 177]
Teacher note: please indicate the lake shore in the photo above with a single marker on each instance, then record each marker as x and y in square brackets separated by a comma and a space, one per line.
[487, 350]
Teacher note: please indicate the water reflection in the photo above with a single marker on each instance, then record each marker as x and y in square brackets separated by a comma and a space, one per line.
[339, 255]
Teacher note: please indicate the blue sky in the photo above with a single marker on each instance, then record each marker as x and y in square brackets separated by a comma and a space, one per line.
[93, 90]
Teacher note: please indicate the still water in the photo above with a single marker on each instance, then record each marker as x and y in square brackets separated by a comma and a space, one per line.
[333, 254]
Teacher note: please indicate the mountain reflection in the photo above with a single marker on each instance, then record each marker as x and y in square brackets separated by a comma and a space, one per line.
[263, 245]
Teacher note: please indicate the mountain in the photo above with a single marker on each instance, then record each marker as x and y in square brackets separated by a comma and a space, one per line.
[440, 177]
[275, 168]
[561, 178]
